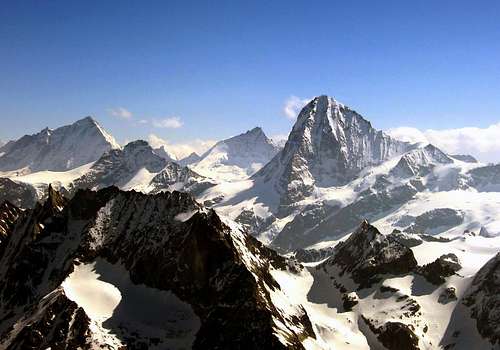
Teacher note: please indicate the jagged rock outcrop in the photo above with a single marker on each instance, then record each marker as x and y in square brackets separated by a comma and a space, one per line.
[9, 213]
[406, 239]
[179, 178]
[444, 266]
[482, 299]
[313, 255]
[54, 323]
[394, 335]
[165, 241]
[367, 254]
[18, 193]
[328, 145]
[58, 149]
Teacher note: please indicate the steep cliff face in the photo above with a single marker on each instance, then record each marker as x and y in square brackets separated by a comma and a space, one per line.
[328, 145]
[483, 300]
[166, 242]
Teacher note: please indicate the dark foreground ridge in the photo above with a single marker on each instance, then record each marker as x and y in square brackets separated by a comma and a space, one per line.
[223, 274]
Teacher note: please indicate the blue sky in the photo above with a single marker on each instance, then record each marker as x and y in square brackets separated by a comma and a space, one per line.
[222, 67]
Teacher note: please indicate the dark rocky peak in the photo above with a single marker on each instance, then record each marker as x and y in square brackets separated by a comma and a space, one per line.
[444, 266]
[482, 298]
[368, 253]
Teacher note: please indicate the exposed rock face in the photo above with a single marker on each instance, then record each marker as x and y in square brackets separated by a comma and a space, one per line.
[486, 178]
[223, 274]
[55, 322]
[328, 145]
[296, 235]
[313, 255]
[483, 300]
[448, 295]
[444, 266]
[191, 159]
[436, 221]
[367, 253]
[18, 193]
[395, 335]
[405, 239]
[60, 149]
[464, 158]
[165, 154]
[118, 166]
[8, 216]
[420, 161]
[180, 178]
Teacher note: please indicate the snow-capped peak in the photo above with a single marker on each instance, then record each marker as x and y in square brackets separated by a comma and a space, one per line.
[237, 157]
[58, 149]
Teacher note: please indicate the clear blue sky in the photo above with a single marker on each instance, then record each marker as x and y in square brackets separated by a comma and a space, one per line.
[226, 66]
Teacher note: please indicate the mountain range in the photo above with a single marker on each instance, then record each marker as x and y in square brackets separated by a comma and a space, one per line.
[342, 238]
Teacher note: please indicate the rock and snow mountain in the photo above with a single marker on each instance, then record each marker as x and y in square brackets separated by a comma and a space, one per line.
[137, 166]
[58, 149]
[165, 154]
[163, 272]
[123, 270]
[191, 159]
[336, 170]
[238, 157]
[328, 146]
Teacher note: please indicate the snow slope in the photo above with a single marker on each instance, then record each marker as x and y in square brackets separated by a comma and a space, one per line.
[237, 158]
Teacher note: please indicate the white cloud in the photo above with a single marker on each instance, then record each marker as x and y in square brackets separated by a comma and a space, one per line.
[181, 150]
[142, 121]
[407, 134]
[120, 112]
[293, 105]
[483, 143]
[170, 123]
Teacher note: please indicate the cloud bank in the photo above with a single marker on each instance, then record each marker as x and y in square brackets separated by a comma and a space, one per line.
[482, 143]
